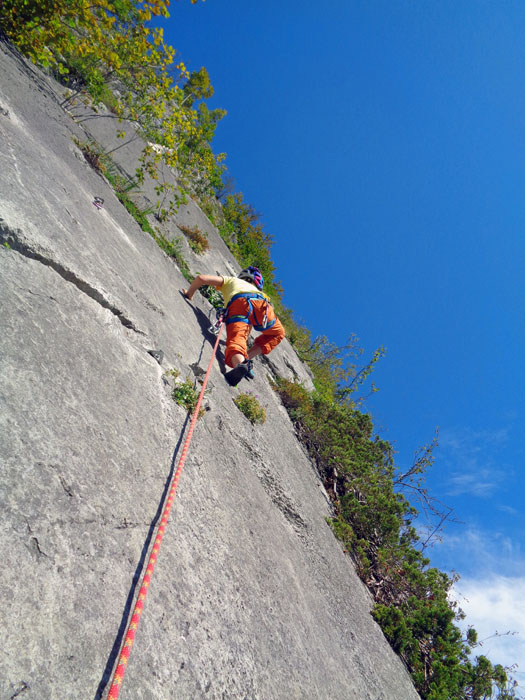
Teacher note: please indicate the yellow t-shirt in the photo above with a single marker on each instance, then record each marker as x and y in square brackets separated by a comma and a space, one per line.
[233, 285]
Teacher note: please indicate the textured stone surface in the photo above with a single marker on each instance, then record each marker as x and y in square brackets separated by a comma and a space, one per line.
[252, 596]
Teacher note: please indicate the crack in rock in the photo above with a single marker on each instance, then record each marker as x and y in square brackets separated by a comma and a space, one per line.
[22, 689]
[291, 368]
[34, 545]
[8, 236]
[34, 548]
[281, 500]
[36, 294]
[67, 489]
[275, 491]
[126, 524]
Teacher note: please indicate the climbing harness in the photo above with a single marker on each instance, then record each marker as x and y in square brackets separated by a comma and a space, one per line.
[122, 662]
[247, 318]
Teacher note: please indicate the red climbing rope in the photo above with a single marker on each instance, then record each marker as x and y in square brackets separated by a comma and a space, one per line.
[118, 676]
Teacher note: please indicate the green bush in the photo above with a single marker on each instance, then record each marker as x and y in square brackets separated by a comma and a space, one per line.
[213, 296]
[248, 405]
[173, 248]
[197, 239]
[186, 396]
[374, 522]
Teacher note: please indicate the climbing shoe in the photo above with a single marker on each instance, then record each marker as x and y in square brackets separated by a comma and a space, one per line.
[244, 370]
[249, 369]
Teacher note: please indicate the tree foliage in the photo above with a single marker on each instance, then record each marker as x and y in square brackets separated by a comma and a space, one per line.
[375, 521]
[108, 50]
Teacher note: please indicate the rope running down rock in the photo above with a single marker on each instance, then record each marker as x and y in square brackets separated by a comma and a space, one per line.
[122, 663]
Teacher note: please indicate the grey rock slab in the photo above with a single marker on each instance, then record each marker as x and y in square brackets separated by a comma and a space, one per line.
[252, 596]
[78, 487]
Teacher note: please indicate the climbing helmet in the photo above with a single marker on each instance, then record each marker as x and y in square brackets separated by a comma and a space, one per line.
[252, 274]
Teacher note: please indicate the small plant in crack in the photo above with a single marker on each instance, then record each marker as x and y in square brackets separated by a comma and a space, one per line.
[187, 396]
[249, 405]
[173, 372]
[173, 248]
[213, 296]
[197, 239]
[93, 155]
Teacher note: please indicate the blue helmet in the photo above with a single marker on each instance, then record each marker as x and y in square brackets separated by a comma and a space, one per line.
[253, 275]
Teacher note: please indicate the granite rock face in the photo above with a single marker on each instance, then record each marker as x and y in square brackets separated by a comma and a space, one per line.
[252, 597]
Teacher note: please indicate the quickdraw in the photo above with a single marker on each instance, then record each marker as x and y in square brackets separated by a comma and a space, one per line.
[216, 327]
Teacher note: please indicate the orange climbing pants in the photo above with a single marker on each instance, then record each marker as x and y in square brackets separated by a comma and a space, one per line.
[237, 332]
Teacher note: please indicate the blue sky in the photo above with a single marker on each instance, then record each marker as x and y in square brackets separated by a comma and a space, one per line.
[383, 142]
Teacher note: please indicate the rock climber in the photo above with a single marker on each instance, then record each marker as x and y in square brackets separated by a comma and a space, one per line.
[247, 307]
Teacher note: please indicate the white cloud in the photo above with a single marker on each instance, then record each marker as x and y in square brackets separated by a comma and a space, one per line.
[472, 441]
[496, 604]
[480, 482]
[473, 460]
[472, 550]
[487, 552]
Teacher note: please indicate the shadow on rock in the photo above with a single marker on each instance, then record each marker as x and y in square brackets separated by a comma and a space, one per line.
[137, 577]
[205, 322]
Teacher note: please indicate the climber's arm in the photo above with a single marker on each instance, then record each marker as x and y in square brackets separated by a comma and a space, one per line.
[201, 281]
